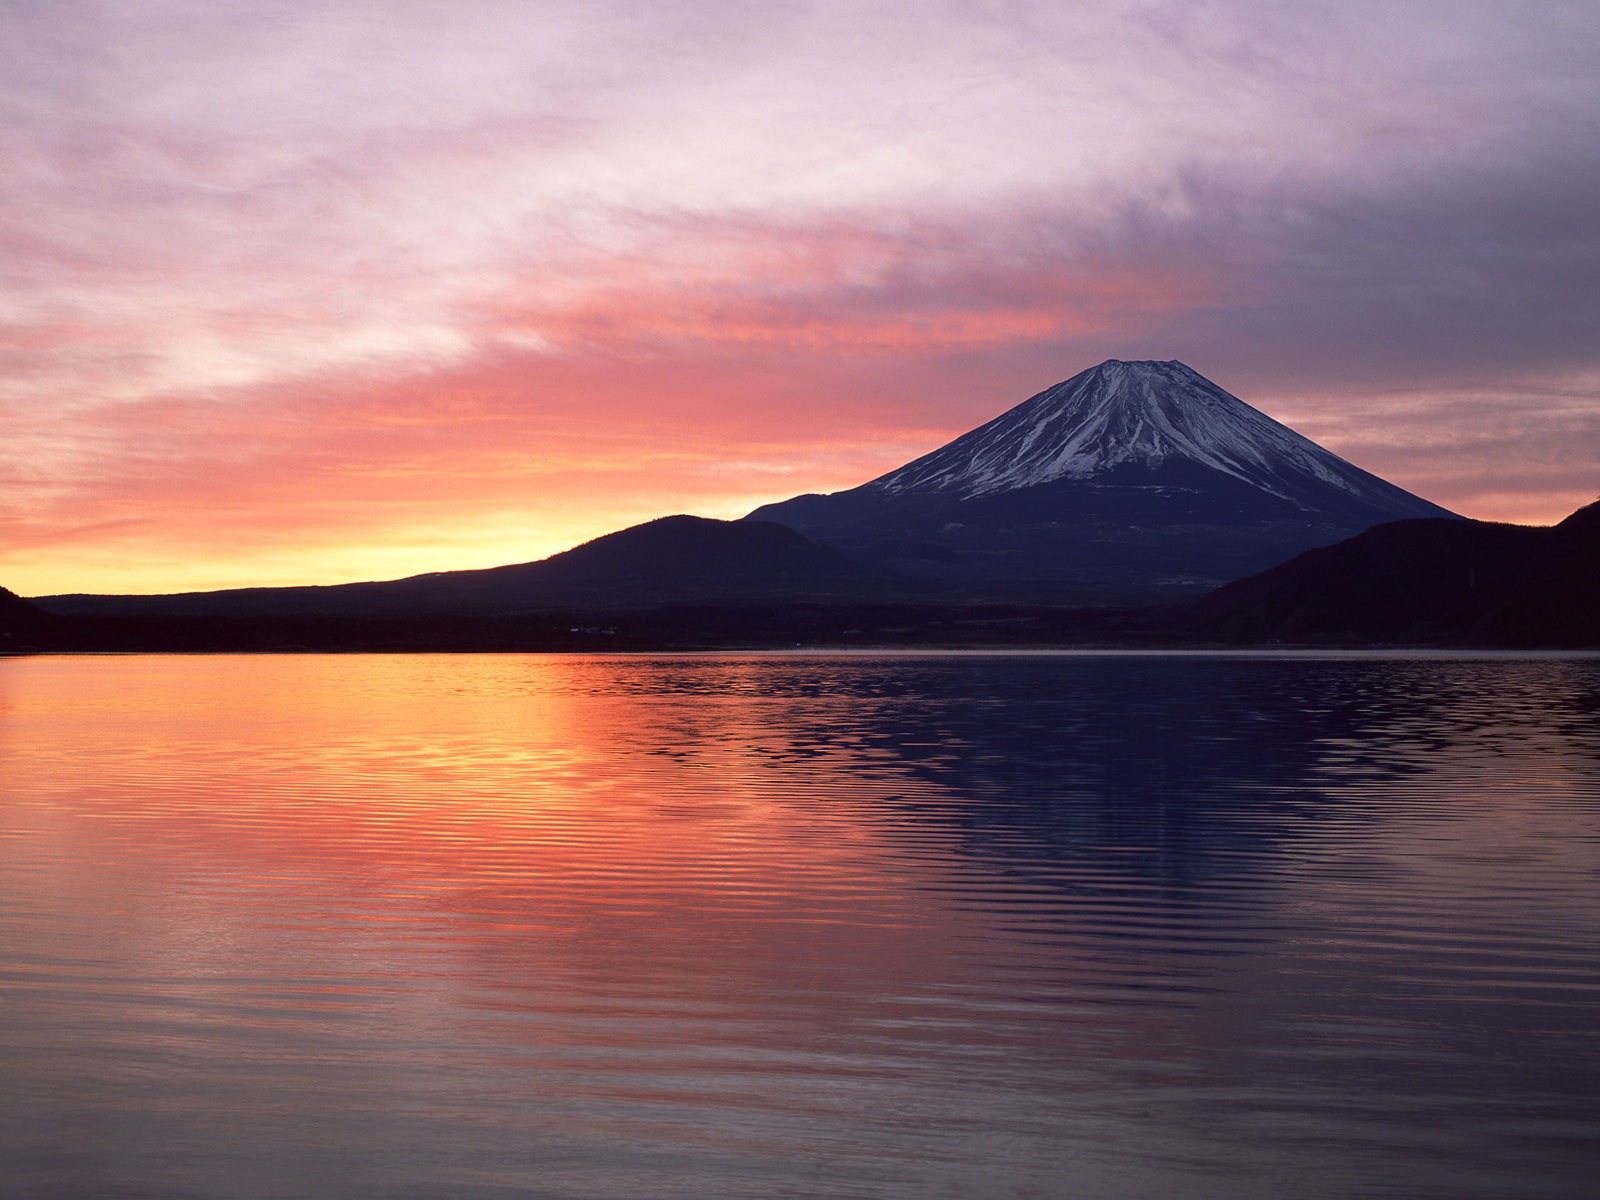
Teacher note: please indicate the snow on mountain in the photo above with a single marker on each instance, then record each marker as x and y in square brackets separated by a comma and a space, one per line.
[1139, 414]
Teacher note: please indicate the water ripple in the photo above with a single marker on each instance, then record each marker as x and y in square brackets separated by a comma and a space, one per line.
[886, 926]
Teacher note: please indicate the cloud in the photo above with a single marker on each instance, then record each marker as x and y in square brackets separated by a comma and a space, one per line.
[332, 276]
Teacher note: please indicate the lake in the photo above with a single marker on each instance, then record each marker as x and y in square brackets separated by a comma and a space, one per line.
[871, 925]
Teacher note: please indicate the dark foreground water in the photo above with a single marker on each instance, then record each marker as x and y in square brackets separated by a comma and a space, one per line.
[855, 926]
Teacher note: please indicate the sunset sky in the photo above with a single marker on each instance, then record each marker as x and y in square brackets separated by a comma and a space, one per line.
[304, 292]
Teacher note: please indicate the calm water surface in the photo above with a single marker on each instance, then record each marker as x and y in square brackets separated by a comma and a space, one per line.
[749, 926]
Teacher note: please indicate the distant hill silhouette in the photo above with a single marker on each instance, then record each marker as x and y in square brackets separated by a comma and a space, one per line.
[21, 622]
[1425, 582]
[689, 583]
[671, 560]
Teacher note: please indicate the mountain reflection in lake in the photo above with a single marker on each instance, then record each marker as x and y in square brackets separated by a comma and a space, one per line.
[824, 926]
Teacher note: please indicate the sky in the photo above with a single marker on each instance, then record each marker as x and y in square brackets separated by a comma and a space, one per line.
[302, 292]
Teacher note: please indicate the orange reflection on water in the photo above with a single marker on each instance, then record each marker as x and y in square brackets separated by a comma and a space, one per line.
[477, 821]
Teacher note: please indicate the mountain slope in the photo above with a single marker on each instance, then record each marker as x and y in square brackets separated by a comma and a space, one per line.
[1559, 602]
[671, 560]
[21, 622]
[1130, 480]
[1427, 582]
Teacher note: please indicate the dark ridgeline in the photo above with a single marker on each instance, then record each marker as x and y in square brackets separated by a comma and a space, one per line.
[22, 624]
[671, 560]
[675, 582]
[1130, 483]
[1086, 515]
[1424, 583]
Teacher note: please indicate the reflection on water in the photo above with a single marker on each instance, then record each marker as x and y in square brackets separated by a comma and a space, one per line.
[875, 926]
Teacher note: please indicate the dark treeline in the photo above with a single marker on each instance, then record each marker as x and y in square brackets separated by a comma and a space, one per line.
[693, 627]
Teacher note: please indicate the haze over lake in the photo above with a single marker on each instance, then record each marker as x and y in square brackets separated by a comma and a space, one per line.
[875, 925]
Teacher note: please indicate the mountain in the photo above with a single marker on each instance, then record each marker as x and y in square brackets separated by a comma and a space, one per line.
[1427, 582]
[1130, 481]
[671, 560]
[20, 622]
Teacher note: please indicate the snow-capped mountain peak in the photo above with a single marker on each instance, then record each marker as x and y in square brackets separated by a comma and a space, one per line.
[1131, 480]
[1122, 414]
